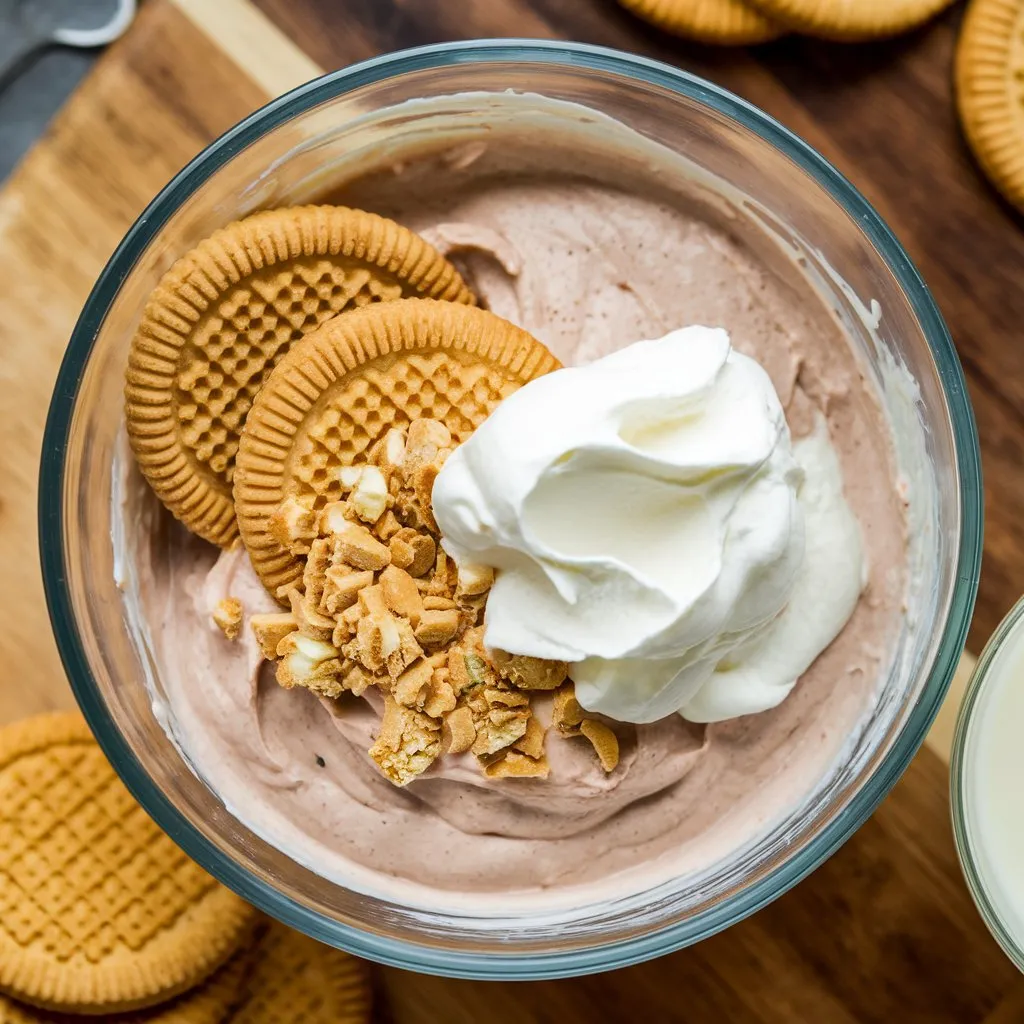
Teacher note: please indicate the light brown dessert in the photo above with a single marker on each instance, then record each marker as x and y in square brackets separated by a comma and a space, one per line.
[586, 265]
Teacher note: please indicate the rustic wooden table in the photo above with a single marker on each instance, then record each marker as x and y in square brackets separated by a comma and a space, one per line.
[885, 930]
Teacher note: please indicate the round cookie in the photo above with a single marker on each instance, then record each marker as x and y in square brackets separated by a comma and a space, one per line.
[223, 315]
[723, 22]
[990, 91]
[208, 1003]
[347, 384]
[100, 912]
[281, 977]
[294, 978]
[850, 20]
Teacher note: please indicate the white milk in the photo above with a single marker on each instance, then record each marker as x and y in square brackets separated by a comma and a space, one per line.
[993, 784]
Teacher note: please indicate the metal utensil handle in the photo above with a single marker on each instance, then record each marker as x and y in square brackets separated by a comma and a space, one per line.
[87, 37]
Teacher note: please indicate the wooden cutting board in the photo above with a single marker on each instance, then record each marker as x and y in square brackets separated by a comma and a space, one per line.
[883, 931]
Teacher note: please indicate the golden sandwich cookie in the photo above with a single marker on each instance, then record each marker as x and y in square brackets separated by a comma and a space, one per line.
[210, 1002]
[226, 312]
[990, 91]
[344, 386]
[100, 912]
[850, 20]
[293, 978]
[281, 976]
[722, 22]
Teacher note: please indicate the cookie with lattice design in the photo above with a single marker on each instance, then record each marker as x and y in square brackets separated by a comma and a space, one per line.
[293, 979]
[990, 91]
[100, 912]
[347, 384]
[720, 22]
[226, 312]
[850, 21]
[210, 1002]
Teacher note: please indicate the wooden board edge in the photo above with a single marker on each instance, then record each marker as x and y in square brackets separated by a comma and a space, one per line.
[940, 738]
[252, 42]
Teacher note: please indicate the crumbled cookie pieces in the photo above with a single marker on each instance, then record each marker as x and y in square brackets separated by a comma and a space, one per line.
[569, 719]
[531, 743]
[354, 546]
[381, 604]
[407, 744]
[227, 616]
[309, 663]
[459, 730]
[530, 673]
[415, 552]
[401, 594]
[566, 711]
[604, 742]
[515, 765]
[270, 629]
[293, 526]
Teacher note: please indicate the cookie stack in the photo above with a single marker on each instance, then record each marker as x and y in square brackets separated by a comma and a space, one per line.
[105, 917]
[745, 22]
[227, 312]
[989, 61]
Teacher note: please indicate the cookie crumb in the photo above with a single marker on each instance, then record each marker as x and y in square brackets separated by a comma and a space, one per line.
[515, 765]
[228, 617]
[528, 673]
[270, 629]
[604, 742]
[293, 526]
[407, 744]
[531, 743]
[567, 713]
[357, 547]
[459, 731]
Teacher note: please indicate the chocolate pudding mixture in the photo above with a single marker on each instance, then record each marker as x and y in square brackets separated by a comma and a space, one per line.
[587, 265]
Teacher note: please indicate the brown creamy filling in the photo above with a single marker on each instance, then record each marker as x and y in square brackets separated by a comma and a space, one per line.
[587, 267]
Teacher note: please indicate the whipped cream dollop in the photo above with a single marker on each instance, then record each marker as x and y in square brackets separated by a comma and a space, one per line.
[652, 522]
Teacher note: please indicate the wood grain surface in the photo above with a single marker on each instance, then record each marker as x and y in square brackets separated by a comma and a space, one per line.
[885, 930]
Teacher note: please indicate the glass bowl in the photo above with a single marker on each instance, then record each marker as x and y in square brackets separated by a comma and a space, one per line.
[293, 148]
[1000, 661]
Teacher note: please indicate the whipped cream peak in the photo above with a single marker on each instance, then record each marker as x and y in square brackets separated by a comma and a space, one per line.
[643, 512]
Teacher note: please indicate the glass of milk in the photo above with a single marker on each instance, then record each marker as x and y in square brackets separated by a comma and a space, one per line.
[987, 775]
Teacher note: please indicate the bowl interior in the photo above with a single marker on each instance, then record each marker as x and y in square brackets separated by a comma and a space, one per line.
[600, 107]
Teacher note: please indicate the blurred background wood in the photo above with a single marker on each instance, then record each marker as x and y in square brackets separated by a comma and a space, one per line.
[883, 931]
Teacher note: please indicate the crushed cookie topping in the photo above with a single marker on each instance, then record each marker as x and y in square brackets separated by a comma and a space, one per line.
[227, 616]
[569, 719]
[382, 605]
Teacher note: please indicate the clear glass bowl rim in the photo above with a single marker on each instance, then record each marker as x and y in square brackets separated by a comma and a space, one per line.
[957, 790]
[407, 954]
